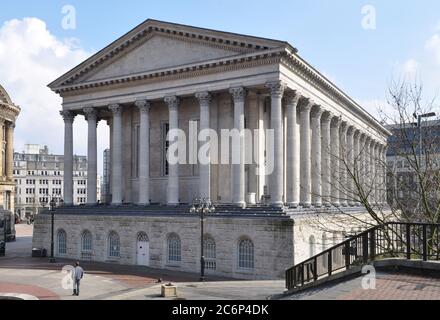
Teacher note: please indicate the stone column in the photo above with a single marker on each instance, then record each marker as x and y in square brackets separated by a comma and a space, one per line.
[173, 168]
[326, 158]
[116, 109]
[92, 156]
[316, 114]
[68, 156]
[335, 154]
[377, 173]
[277, 177]
[205, 165]
[306, 176]
[10, 151]
[2, 149]
[343, 188]
[238, 169]
[369, 168]
[351, 195]
[292, 166]
[144, 152]
[356, 167]
[362, 163]
[384, 177]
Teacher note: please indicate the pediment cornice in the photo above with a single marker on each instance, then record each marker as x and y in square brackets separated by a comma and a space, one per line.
[240, 44]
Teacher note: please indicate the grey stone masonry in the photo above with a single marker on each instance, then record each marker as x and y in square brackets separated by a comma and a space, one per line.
[271, 235]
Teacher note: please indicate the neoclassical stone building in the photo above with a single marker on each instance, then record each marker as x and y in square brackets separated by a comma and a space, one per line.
[8, 115]
[162, 76]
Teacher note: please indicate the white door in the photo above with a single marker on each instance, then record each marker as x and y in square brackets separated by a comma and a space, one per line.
[143, 253]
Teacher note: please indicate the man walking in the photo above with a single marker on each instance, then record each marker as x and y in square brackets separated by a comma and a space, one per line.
[77, 274]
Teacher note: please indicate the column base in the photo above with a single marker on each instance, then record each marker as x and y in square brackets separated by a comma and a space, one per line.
[306, 205]
[317, 205]
[292, 204]
[240, 204]
[171, 204]
[336, 204]
[279, 204]
[327, 204]
[144, 204]
[344, 204]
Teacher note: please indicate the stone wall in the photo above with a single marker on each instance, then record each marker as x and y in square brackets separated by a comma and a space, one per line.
[272, 237]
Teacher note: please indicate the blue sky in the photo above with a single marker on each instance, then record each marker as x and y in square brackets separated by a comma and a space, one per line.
[328, 34]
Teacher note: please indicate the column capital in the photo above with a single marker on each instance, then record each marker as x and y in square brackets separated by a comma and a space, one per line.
[326, 116]
[357, 133]
[68, 116]
[204, 97]
[344, 126]
[316, 111]
[10, 125]
[305, 104]
[276, 88]
[336, 121]
[116, 109]
[350, 130]
[143, 106]
[172, 102]
[91, 113]
[238, 94]
[291, 97]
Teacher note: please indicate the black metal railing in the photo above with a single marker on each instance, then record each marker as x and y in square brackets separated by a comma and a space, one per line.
[390, 240]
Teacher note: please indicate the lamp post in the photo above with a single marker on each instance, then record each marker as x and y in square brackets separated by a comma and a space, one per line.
[52, 212]
[202, 207]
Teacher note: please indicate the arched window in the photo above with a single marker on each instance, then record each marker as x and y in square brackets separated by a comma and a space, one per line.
[174, 254]
[113, 245]
[312, 244]
[86, 245]
[209, 253]
[142, 237]
[62, 242]
[245, 254]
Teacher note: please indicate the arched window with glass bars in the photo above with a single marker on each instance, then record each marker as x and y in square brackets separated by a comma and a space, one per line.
[246, 254]
[86, 245]
[113, 245]
[62, 242]
[174, 248]
[209, 253]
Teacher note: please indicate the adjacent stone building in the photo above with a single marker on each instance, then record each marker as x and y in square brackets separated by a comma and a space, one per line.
[8, 115]
[160, 77]
[39, 177]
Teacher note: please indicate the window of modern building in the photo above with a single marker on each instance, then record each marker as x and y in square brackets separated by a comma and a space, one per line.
[113, 245]
[245, 254]
[174, 247]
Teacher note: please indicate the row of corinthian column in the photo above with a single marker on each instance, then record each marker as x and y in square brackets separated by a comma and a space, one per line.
[327, 158]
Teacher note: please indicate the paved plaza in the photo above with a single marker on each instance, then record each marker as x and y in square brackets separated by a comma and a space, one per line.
[36, 277]
[389, 286]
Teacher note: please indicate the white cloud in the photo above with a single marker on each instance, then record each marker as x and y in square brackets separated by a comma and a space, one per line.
[30, 58]
[410, 68]
[433, 46]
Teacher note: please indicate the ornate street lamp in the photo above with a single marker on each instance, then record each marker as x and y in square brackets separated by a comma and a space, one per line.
[52, 212]
[202, 207]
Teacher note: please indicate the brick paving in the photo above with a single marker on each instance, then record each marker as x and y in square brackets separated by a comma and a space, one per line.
[36, 291]
[389, 286]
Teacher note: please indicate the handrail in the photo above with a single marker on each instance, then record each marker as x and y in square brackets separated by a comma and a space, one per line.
[393, 239]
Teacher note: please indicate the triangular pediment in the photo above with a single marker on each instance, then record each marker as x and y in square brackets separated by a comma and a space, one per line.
[158, 52]
[156, 45]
